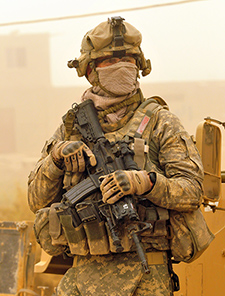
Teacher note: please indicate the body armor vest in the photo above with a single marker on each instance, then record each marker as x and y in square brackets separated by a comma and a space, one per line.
[189, 237]
[138, 130]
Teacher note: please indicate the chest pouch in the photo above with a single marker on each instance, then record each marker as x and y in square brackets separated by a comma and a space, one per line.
[55, 227]
[94, 227]
[52, 245]
[158, 236]
[74, 231]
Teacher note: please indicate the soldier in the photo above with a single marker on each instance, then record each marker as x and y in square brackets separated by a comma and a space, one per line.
[169, 180]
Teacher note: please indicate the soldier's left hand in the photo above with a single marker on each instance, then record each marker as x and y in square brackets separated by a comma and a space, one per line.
[120, 183]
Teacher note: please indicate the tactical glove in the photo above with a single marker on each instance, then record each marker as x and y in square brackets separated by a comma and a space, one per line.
[72, 152]
[120, 183]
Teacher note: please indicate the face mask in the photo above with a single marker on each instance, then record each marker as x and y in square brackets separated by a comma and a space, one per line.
[119, 79]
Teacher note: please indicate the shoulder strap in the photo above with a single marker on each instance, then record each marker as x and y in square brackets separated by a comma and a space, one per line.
[146, 118]
[68, 120]
[150, 107]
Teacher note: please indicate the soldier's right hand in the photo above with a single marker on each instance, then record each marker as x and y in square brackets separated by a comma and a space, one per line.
[72, 152]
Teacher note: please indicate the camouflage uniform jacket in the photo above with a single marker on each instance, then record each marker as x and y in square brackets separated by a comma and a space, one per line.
[172, 156]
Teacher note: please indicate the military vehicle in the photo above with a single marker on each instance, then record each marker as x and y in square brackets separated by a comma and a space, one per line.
[27, 270]
[205, 276]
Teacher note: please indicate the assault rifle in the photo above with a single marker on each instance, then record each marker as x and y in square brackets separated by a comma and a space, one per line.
[110, 157]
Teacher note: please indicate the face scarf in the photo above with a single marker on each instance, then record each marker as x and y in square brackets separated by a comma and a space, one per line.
[120, 78]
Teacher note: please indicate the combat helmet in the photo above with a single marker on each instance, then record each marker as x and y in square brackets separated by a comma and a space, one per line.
[111, 38]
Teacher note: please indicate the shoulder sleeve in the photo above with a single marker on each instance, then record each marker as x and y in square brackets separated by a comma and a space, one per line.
[179, 184]
[45, 181]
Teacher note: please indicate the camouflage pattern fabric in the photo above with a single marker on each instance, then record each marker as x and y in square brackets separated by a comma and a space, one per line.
[172, 156]
[114, 275]
[177, 163]
[179, 174]
[41, 228]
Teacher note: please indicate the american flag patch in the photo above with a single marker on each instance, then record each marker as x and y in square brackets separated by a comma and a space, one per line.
[143, 124]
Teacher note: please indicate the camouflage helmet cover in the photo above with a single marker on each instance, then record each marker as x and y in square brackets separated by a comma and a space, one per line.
[100, 42]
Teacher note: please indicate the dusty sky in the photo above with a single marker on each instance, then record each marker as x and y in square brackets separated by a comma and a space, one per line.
[184, 42]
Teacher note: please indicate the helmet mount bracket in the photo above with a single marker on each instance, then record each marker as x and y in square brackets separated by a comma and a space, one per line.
[119, 29]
